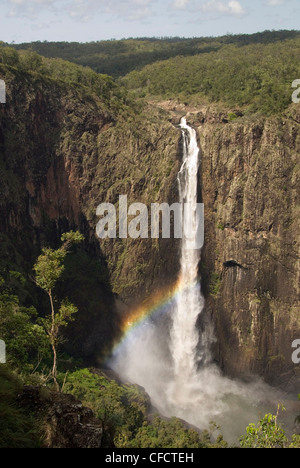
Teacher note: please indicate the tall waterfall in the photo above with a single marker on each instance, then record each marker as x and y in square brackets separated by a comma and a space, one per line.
[190, 302]
[174, 364]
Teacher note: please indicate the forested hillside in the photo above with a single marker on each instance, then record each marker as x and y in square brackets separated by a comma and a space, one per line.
[254, 78]
[251, 72]
[119, 57]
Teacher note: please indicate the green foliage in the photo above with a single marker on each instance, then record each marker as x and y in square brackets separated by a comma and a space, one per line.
[253, 72]
[49, 266]
[123, 412]
[268, 433]
[26, 341]
[30, 64]
[255, 78]
[295, 441]
[18, 429]
[8, 55]
[48, 270]
[30, 61]
[232, 116]
[165, 434]
[71, 237]
[172, 433]
[118, 58]
[215, 284]
[121, 408]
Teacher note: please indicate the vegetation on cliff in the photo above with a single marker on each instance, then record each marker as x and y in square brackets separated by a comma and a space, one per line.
[29, 67]
[79, 138]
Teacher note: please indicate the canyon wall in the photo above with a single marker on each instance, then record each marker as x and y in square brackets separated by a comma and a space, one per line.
[250, 262]
[62, 153]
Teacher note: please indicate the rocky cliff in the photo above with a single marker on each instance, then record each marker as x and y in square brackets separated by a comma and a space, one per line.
[250, 263]
[64, 421]
[63, 152]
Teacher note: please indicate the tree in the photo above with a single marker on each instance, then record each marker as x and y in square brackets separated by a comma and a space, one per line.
[48, 269]
[31, 61]
[26, 341]
[266, 434]
[9, 56]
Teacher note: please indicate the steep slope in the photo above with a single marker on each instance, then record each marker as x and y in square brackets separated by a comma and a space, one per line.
[250, 187]
[65, 150]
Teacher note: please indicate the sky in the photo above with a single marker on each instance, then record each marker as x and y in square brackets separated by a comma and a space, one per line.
[96, 20]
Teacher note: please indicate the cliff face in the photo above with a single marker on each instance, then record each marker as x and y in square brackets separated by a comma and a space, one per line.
[62, 153]
[250, 262]
[66, 422]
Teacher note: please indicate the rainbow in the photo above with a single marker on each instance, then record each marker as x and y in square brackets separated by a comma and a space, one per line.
[150, 307]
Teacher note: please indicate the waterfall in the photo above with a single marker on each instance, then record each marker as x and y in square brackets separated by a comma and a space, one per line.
[188, 348]
[174, 364]
[197, 391]
[190, 302]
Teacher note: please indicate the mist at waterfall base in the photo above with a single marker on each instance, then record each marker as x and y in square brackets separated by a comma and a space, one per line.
[144, 358]
[169, 353]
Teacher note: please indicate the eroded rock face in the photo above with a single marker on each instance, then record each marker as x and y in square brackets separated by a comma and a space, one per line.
[67, 423]
[71, 425]
[250, 182]
[62, 155]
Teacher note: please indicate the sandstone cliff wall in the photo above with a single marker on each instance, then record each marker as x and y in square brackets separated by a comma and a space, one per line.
[251, 260]
[62, 153]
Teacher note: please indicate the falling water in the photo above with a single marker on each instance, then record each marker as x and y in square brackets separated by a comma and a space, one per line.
[197, 391]
[189, 304]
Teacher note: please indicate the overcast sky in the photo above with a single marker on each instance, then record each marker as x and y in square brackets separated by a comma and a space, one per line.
[93, 20]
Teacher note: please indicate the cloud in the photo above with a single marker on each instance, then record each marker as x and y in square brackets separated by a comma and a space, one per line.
[30, 8]
[179, 4]
[128, 10]
[36, 12]
[220, 7]
[132, 10]
[275, 2]
[232, 7]
[82, 10]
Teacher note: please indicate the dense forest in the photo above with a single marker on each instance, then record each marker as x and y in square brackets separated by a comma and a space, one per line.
[232, 75]
[245, 74]
[224, 69]
[119, 57]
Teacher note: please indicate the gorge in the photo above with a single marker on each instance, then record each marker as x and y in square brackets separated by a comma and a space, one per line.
[176, 366]
[208, 336]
